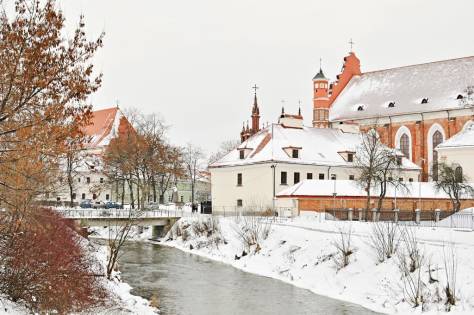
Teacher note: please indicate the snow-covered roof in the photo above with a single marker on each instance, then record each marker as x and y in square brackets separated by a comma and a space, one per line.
[440, 83]
[319, 146]
[105, 125]
[350, 188]
[464, 138]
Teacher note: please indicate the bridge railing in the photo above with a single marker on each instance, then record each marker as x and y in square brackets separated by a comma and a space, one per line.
[118, 213]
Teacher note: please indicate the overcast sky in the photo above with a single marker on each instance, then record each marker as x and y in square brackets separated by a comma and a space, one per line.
[194, 61]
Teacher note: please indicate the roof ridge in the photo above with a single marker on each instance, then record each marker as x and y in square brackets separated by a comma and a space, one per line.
[418, 64]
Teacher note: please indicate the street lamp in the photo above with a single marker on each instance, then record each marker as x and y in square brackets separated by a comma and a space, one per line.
[273, 167]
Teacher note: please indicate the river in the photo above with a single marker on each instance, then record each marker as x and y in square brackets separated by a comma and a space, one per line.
[187, 284]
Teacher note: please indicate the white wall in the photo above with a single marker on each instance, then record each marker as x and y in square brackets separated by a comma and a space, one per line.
[462, 156]
[256, 191]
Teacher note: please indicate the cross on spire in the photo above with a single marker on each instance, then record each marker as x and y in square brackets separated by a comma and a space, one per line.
[320, 63]
[351, 43]
[255, 88]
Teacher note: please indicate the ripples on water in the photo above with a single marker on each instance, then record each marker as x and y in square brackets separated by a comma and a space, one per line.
[186, 284]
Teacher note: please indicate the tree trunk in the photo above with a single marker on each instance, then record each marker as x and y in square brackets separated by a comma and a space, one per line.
[130, 186]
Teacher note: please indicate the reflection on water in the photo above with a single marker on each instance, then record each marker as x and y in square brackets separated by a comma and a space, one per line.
[186, 284]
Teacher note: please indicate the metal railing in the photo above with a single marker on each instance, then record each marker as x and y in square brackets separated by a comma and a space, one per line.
[119, 213]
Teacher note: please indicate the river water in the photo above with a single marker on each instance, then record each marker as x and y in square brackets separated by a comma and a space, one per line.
[187, 284]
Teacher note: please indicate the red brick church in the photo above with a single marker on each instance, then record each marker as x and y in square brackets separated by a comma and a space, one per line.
[413, 108]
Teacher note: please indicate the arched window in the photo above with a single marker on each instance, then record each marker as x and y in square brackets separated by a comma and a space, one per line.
[405, 145]
[458, 174]
[437, 139]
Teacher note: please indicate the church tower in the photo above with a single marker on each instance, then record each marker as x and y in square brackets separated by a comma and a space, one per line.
[320, 100]
[247, 132]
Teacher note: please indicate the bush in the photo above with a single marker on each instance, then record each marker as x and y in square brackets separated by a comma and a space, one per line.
[44, 264]
[252, 231]
[343, 247]
[384, 239]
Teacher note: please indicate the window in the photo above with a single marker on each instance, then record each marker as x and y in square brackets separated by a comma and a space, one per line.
[83, 196]
[170, 198]
[391, 105]
[350, 157]
[295, 153]
[351, 177]
[321, 175]
[390, 178]
[73, 196]
[94, 196]
[410, 180]
[424, 101]
[101, 180]
[399, 160]
[405, 145]
[239, 203]
[309, 175]
[437, 139]
[460, 97]
[458, 174]
[400, 179]
[58, 199]
[182, 199]
[360, 108]
[92, 167]
[283, 178]
[239, 179]
[79, 180]
[333, 176]
[107, 196]
[88, 180]
[242, 154]
[296, 177]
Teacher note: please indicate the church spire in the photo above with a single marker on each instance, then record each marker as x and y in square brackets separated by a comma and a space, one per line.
[255, 112]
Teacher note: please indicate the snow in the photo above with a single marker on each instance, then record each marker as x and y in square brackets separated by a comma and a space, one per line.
[350, 188]
[320, 146]
[441, 82]
[465, 138]
[299, 251]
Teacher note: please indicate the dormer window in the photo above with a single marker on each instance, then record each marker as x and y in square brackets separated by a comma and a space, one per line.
[424, 101]
[242, 154]
[460, 97]
[399, 160]
[391, 105]
[295, 153]
[360, 108]
[350, 157]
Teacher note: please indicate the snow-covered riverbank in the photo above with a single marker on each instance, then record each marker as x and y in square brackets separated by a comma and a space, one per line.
[300, 251]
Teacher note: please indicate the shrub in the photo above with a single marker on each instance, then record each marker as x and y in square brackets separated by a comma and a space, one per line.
[384, 239]
[450, 271]
[252, 231]
[45, 264]
[343, 247]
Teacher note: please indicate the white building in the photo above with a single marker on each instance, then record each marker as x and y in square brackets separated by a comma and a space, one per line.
[282, 155]
[459, 150]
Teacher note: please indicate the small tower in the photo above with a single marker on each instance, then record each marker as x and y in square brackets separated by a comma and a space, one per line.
[255, 113]
[320, 100]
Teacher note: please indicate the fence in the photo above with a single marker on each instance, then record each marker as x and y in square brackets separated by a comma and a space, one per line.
[252, 211]
[429, 218]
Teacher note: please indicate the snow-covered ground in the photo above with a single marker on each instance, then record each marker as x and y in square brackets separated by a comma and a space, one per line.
[301, 251]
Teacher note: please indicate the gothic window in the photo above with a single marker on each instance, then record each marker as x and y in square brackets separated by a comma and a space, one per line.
[437, 139]
[405, 145]
[458, 174]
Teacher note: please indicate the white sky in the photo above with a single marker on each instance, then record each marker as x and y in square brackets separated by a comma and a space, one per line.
[194, 62]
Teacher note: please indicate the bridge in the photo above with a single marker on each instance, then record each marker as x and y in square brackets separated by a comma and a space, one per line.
[161, 221]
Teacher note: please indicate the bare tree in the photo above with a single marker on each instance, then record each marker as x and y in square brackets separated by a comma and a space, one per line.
[378, 166]
[193, 158]
[454, 183]
[117, 236]
[224, 148]
[344, 248]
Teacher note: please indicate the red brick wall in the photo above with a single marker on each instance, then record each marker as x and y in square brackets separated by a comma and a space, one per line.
[419, 135]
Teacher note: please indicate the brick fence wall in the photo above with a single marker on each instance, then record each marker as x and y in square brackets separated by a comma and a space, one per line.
[324, 203]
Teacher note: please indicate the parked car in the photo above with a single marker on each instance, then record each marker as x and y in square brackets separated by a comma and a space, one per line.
[98, 205]
[112, 205]
[86, 204]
